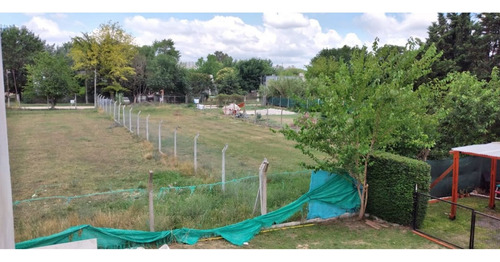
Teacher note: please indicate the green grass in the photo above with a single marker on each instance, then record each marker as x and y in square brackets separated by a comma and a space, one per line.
[487, 232]
[73, 153]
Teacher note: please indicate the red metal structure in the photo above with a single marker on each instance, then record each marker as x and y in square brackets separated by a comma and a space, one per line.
[491, 151]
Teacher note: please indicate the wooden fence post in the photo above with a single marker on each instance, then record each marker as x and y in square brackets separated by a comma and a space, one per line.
[151, 207]
[263, 186]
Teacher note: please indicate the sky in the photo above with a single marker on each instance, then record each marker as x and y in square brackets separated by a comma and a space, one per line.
[288, 33]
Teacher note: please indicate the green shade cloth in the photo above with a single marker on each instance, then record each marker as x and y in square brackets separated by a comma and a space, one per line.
[339, 191]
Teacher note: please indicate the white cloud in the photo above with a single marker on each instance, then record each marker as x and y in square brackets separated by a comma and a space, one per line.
[290, 39]
[391, 30]
[285, 20]
[49, 30]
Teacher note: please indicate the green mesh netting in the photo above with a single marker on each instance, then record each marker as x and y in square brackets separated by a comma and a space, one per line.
[337, 191]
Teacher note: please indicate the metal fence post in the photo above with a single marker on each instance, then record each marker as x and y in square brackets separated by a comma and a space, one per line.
[195, 153]
[123, 111]
[147, 128]
[138, 114]
[130, 120]
[472, 229]
[119, 107]
[415, 207]
[224, 168]
[114, 110]
[175, 142]
[159, 136]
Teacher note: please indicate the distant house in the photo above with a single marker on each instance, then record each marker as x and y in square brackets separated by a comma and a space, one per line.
[275, 77]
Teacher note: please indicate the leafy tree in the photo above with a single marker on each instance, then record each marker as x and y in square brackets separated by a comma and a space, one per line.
[227, 81]
[210, 66]
[199, 83]
[468, 110]
[286, 86]
[137, 83]
[107, 53]
[165, 73]
[85, 51]
[489, 45]
[115, 54]
[19, 47]
[364, 108]
[225, 59]
[327, 61]
[252, 72]
[50, 77]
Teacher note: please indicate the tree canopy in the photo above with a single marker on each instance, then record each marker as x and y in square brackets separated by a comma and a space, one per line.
[364, 107]
[50, 76]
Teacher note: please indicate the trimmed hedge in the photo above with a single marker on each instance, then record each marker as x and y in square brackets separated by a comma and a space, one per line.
[391, 180]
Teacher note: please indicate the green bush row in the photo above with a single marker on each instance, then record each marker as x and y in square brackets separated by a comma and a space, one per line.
[391, 180]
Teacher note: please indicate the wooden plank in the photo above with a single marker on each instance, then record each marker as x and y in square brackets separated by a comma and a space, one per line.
[372, 224]
[443, 175]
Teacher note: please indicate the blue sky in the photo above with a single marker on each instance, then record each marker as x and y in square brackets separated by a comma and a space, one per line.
[289, 33]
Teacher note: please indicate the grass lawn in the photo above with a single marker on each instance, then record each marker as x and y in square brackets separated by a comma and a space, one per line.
[75, 153]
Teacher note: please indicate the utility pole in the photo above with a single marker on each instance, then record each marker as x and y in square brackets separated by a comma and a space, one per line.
[6, 211]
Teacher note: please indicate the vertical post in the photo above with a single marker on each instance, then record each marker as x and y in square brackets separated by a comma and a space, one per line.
[123, 110]
[472, 229]
[415, 208]
[159, 136]
[224, 168]
[147, 128]
[119, 107]
[130, 119]
[263, 186]
[195, 152]
[6, 211]
[114, 110]
[151, 207]
[454, 187]
[493, 181]
[138, 114]
[175, 142]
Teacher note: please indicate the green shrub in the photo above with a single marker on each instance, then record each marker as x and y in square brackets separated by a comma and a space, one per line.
[392, 179]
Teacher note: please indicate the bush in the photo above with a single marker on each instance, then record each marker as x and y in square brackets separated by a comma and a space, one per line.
[391, 179]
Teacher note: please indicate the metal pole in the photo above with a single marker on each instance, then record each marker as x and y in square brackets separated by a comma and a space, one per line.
[195, 149]
[175, 143]
[224, 168]
[130, 120]
[147, 128]
[415, 208]
[6, 210]
[159, 136]
[119, 107]
[472, 228]
[114, 110]
[138, 114]
[123, 111]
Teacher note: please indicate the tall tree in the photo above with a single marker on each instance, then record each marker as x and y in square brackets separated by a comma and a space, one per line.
[107, 53]
[210, 66]
[19, 47]
[252, 72]
[163, 69]
[50, 76]
[116, 51]
[364, 108]
[227, 81]
[490, 44]
[85, 51]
